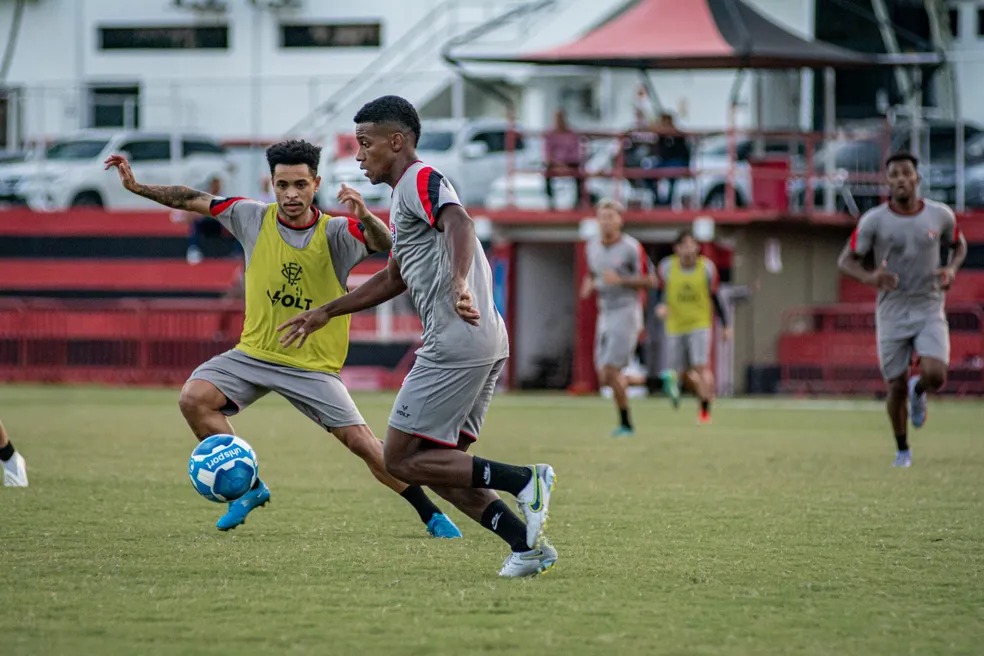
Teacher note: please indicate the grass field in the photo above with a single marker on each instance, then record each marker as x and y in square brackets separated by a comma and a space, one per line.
[775, 531]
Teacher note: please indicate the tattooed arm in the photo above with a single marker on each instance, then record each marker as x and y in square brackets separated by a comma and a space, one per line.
[175, 196]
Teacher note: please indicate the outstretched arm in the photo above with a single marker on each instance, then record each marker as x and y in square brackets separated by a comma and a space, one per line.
[178, 197]
[383, 286]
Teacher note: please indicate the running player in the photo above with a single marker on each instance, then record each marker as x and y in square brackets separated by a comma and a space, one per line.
[440, 408]
[688, 287]
[14, 467]
[618, 268]
[296, 257]
[905, 236]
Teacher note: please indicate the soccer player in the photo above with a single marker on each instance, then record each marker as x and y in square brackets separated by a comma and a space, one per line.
[296, 257]
[687, 288]
[905, 237]
[618, 268]
[14, 467]
[442, 403]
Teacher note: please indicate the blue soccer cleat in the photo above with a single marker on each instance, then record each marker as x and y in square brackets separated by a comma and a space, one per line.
[917, 404]
[903, 459]
[238, 509]
[671, 387]
[623, 431]
[441, 526]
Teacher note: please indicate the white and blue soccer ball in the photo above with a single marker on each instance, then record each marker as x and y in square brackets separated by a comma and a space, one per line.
[223, 468]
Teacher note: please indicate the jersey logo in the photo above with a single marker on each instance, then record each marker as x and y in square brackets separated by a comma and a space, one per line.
[933, 234]
[294, 297]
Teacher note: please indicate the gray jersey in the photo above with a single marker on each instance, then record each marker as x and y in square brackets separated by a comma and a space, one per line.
[422, 253]
[244, 217]
[910, 246]
[628, 259]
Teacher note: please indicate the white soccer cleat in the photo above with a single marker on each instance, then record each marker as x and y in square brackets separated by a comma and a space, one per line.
[529, 563]
[534, 501]
[15, 472]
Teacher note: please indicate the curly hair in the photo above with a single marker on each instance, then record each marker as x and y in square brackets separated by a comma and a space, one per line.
[391, 109]
[294, 151]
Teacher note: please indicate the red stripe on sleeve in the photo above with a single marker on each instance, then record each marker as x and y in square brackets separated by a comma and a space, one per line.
[854, 241]
[355, 229]
[643, 261]
[423, 177]
[220, 205]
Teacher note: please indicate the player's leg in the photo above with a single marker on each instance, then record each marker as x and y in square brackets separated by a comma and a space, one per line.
[673, 365]
[14, 467]
[433, 406]
[932, 345]
[894, 356]
[324, 399]
[216, 390]
[615, 341]
[698, 356]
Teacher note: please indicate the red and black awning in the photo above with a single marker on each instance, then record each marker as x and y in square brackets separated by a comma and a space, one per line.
[700, 34]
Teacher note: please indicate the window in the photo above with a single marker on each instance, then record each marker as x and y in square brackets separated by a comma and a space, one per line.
[954, 19]
[164, 38]
[351, 35]
[496, 140]
[114, 106]
[190, 147]
[980, 22]
[440, 141]
[149, 150]
[80, 149]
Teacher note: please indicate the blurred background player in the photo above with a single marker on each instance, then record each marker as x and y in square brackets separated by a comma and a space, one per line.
[443, 401]
[905, 236]
[687, 289]
[14, 467]
[296, 256]
[618, 268]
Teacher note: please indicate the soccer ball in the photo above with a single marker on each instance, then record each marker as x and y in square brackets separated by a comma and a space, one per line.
[223, 468]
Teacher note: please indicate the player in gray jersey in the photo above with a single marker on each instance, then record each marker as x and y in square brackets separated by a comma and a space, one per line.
[905, 237]
[442, 403]
[618, 268]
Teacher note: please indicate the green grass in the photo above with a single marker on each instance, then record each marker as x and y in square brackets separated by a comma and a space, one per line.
[775, 531]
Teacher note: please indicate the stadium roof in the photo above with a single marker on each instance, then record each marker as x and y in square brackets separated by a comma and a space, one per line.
[699, 34]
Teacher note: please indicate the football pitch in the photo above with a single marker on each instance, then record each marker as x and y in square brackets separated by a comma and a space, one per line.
[781, 529]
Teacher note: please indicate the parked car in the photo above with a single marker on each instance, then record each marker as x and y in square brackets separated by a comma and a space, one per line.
[711, 161]
[71, 174]
[470, 153]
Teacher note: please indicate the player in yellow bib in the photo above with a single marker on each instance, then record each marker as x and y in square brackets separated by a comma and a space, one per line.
[297, 258]
[686, 292]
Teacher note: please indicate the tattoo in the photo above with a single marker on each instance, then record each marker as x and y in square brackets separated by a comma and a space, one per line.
[377, 234]
[175, 196]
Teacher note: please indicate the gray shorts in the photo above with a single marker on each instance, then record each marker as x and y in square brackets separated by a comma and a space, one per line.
[928, 339]
[616, 338]
[441, 405]
[688, 350]
[321, 396]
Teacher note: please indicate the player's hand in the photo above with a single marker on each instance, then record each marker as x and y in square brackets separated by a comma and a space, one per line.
[946, 276]
[662, 311]
[726, 333]
[464, 304]
[302, 325]
[349, 196]
[882, 278]
[123, 168]
[587, 287]
[611, 278]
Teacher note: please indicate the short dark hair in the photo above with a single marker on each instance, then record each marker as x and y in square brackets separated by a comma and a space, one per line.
[391, 109]
[294, 151]
[683, 234]
[902, 156]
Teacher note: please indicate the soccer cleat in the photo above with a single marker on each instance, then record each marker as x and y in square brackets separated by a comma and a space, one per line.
[441, 526]
[671, 387]
[238, 509]
[623, 431]
[15, 471]
[534, 500]
[529, 563]
[704, 418]
[903, 459]
[917, 404]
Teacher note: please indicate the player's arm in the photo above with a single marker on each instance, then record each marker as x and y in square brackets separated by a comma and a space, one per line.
[459, 230]
[587, 286]
[662, 270]
[177, 197]
[958, 254]
[383, 286]
[858, 246]
[376, 232]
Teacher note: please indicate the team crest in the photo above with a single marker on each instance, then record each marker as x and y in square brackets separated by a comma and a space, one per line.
[933, 235]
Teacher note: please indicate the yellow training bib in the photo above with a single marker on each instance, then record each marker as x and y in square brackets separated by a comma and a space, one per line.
[282, 281]
[688, 297]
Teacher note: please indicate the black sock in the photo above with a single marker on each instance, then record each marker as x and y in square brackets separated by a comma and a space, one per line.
[705, 406]
[499, 476]
[420, 502]
[624, 417]
[503, 522]
[7, 452]
[902, 441]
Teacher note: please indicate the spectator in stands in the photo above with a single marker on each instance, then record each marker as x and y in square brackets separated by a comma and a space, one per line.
[672, 152]
[562, 154]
